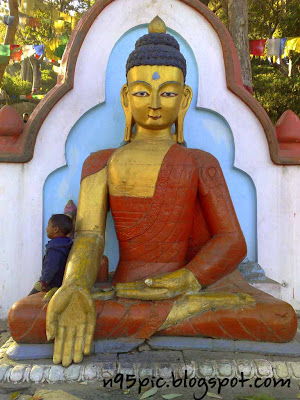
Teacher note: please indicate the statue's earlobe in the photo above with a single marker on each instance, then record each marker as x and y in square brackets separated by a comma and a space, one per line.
[128, 115]
[185, 103]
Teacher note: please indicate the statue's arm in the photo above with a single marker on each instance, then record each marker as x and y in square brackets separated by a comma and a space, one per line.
[227, 246]
[71, 315]
[86, 253]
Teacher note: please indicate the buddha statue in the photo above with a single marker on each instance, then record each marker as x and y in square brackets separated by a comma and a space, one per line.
[179, 238]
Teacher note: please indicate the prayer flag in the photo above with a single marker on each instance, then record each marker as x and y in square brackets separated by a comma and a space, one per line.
[33, 22]
[4, 53]
[49, 54]
[273, 47]
[22, 22]
[27, 7]
[15, 52]
[39, 49]
[59, 26]
[282, 46]
[257, 47]
[4, 50]
[65, 17]
[292, 44]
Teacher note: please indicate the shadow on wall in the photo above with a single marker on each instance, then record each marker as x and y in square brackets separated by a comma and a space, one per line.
[103, 127]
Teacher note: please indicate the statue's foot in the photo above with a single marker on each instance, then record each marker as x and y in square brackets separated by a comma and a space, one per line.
[192, 304]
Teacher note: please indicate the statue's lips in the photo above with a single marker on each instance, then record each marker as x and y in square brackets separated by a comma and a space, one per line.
[155, 118]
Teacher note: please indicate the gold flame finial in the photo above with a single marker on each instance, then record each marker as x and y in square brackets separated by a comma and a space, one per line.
[157, 25]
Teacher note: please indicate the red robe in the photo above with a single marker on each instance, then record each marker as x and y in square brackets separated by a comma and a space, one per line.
[189, 222]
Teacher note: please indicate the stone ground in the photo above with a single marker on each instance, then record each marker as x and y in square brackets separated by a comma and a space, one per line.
[95, 390]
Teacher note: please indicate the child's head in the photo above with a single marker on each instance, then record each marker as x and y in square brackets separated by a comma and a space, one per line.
[59, 225]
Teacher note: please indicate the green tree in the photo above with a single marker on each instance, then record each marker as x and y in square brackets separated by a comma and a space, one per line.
[275, 92]
[278, 18]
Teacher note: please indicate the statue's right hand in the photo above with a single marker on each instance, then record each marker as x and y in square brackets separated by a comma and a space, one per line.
[71, 320]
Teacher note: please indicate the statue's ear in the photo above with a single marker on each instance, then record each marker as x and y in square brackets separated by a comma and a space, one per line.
[185, 103]
[186, 98]
[128, 115]
[125, 96]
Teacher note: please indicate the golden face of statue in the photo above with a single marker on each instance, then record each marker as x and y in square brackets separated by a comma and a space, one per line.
[155, 96]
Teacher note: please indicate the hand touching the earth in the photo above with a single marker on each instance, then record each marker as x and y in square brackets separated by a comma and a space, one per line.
[162, 287]
[71, 320]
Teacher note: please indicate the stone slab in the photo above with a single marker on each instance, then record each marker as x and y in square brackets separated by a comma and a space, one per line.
[291, 349]
[120, 345]
[19, 352]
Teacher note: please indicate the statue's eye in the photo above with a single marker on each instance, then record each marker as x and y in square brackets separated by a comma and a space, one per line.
[141, 94]
[169, 94]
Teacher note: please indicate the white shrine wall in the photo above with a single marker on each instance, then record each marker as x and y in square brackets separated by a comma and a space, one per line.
[21, 185]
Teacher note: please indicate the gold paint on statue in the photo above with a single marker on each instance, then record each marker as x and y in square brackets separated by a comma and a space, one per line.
[133, 169]
[103, 294]
[48, 296]
[191, 304]
[93, 203]
[84, 260]
[73, 302]
[162, 287]
[157, 25]
[154, 105]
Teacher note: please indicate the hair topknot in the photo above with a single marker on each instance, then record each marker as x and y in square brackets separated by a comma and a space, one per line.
[157, 48]
[157, 39]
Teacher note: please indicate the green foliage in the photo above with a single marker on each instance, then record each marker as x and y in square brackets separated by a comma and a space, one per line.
[44, 33]
[267, 18]
[15, 86]
[275, 92]
[273, 18]
[264, 18]
[219, 7]
[290, 22]
[48, 80]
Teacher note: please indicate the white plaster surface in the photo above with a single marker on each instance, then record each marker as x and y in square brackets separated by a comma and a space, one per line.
[21, 186]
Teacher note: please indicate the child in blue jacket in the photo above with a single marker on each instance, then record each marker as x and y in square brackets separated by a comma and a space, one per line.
[57, 251]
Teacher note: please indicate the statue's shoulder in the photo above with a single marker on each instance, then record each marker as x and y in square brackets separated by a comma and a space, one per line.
[95, 162]
[204, 159]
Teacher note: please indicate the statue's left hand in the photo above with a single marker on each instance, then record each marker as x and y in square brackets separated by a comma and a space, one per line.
[161, 287]
[71, 319]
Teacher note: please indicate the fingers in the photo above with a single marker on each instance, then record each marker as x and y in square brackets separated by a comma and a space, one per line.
[73, 327]
[68, 346]
[57, 304]
[145, 294]
[89, 339]
[90, 329]
[58, 345]
[48, 296]
[79, 342]
[168, 281]
[50, 331]
[130, 285]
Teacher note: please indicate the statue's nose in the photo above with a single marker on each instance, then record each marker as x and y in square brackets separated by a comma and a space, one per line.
[155, 102]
